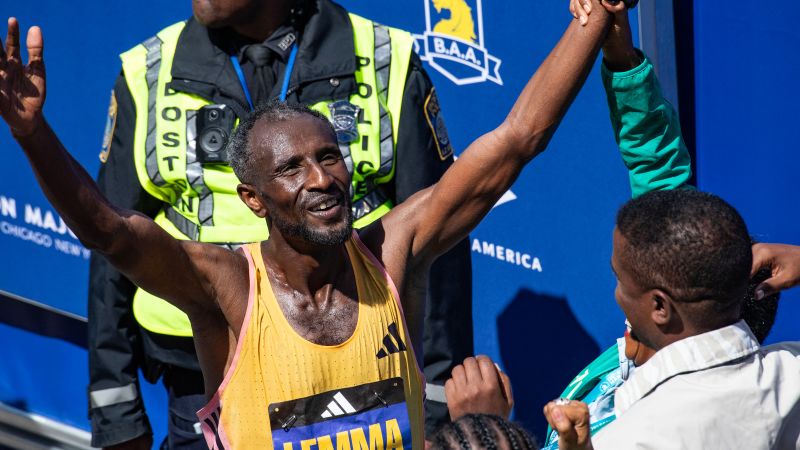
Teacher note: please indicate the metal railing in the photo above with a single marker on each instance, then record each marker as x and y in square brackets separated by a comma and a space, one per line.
[27, 431]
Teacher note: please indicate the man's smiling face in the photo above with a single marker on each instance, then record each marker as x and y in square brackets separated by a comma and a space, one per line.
[302, 179]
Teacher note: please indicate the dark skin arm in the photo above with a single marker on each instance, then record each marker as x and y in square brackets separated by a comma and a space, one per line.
[619, 54]
[205, 281]
[433, 220]
[140, 249]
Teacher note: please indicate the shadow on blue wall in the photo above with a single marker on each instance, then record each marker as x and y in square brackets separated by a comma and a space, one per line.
[540, 369]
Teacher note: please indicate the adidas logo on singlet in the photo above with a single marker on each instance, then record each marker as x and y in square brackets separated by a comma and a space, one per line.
[339, 406]
[391, 343]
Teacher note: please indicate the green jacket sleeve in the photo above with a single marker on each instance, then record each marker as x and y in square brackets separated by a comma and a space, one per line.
[647, 130]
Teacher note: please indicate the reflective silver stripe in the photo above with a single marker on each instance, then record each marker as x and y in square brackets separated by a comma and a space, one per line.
[153, 63]
[183, 224]
[348, 160]
[194, 173]
[191, 230]
[383, 61]
[369, 202]
[387, 144]
[112, 396]
[435, 393]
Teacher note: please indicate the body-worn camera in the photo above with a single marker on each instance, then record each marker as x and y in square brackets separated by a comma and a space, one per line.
[214, 126]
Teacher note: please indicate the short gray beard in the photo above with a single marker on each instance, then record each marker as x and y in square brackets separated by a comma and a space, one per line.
[328, 238]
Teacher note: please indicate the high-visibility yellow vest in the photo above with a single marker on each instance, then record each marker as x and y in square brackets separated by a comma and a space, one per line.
[201, 199]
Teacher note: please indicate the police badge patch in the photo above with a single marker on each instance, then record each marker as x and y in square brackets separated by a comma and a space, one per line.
[433, 112]
[344, 117]
[111, 123]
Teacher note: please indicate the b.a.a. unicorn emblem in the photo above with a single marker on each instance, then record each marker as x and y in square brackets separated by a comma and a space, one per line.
[453, 42]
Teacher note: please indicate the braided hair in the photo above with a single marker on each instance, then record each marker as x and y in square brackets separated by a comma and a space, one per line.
[482, 432]
[760, 314]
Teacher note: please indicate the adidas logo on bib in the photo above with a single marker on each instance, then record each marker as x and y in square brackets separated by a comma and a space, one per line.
[338, 407]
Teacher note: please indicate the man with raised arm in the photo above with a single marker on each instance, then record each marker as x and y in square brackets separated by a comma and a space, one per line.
[200, 77]
[311, 337]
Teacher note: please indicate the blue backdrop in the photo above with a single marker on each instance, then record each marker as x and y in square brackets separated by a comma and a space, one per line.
[746, 109]
[543, 291]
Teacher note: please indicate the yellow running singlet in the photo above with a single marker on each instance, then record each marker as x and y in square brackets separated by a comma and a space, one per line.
[284, 392]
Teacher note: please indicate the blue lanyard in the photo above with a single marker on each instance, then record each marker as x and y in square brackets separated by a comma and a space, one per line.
[286, 75]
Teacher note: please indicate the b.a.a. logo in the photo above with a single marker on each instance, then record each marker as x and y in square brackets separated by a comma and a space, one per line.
[453, 42]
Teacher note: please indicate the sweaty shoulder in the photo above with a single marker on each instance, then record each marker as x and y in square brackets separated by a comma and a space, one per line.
[226, 274]
[391, 238]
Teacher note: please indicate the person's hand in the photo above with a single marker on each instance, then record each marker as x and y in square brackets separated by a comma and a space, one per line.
[478, 387]
[784, 264]
[570, 418]
[22, 87]
[580, 9]
[143, 442]
[619, 54]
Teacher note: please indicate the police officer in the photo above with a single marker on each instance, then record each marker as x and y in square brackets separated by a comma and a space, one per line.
[180, 94]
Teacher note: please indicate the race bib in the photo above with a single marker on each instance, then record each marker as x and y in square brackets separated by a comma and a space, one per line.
[372, 416]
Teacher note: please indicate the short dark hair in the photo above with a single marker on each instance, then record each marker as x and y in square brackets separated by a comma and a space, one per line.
[760, 314]
[482, 432]
[691, 244]
[274, 111]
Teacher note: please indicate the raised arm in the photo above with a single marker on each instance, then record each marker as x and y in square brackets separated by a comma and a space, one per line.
[646, 126]
[437, 218]
[180, 272]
